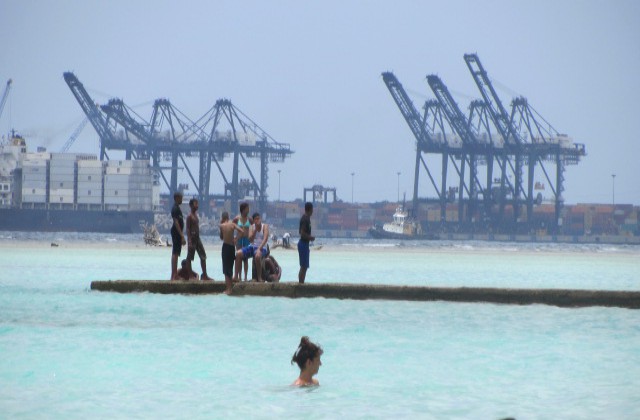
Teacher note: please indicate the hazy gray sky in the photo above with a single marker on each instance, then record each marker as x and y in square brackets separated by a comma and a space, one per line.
[309, 74]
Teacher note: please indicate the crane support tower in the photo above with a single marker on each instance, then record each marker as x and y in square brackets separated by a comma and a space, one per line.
[223, 131]
[487, 161]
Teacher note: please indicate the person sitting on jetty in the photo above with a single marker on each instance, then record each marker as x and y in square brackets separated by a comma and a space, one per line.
[195, 244]
[271, 270]
[258, 236]
[186, 273]
[307, 357]
[228, 249]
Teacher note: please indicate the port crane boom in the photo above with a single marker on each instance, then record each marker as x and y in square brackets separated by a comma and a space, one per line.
[74, 135]
[5, 95]
[425, 142]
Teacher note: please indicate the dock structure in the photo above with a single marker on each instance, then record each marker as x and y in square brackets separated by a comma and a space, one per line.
[555, 297]
[482, 170]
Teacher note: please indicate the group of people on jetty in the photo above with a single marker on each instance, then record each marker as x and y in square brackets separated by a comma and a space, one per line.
[244, 237]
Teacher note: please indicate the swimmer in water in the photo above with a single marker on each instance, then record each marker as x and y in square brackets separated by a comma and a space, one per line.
[307, 356]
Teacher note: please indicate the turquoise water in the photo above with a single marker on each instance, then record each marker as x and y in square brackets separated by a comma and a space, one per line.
[68, 352]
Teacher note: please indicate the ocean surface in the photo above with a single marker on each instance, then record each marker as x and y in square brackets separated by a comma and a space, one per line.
[70, 353]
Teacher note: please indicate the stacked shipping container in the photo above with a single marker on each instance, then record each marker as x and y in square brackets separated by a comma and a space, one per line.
[34, 181]
[67, 180]
[128, 185]
[90, 175]
[62, 173]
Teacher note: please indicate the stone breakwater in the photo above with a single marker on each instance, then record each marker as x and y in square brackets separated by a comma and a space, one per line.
[555, 297]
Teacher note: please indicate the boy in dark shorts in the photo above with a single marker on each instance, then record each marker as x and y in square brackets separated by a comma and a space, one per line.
[195, 244]
[177, 235]
[228, 249]
[303, 243]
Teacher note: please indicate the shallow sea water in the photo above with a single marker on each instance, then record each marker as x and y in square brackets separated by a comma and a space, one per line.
[68, 352]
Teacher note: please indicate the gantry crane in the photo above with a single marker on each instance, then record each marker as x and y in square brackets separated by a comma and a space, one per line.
[527, 140]
[425, 143]
[171, 135]
[488, 135]
[471, 150]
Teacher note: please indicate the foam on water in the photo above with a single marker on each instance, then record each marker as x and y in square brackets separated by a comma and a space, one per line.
[68, 352]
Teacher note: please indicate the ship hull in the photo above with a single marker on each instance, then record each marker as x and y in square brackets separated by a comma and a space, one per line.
[104, 221]
[379, 233]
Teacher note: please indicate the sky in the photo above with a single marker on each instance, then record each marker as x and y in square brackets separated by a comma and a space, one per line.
[309, 73]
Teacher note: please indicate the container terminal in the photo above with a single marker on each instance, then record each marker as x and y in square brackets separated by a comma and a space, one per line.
[494, 173]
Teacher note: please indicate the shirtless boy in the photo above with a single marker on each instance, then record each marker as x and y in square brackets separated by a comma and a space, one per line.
[195, 244]
[228, 249]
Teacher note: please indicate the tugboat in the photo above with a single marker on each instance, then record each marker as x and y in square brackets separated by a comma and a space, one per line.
[402, 227]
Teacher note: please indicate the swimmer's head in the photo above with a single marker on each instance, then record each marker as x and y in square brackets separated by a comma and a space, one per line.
[224, 217]
[184, 263]
[306, 351]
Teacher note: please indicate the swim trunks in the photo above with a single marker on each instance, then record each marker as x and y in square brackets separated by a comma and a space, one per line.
[198, 247]
[303, 253]
[177, 242]
[250, 251]
[228, 257]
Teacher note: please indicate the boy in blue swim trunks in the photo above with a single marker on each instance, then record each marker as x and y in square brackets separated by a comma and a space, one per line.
[303, 243]
[259, 236]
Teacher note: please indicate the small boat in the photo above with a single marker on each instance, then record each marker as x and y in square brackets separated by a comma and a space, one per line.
[402, 227]
[151, 235]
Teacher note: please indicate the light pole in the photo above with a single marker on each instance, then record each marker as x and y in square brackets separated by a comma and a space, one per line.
[279, 170]
[352, 175]
[613, 189]
[398, 185]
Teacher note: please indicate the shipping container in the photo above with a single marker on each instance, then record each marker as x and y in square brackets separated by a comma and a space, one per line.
[127, 163]
[90, 164]
[89, 178]
[61, 157]
[92, 183]
[114, 170]
[62, 199]
[34, 191]
[119, 200]
[350, 224]
[90, 170]
[334, 219]
[34, 183]
[366, 215]
[36, 169]
[33, 198]
[60, 184]
[89, 190]
[62, 191]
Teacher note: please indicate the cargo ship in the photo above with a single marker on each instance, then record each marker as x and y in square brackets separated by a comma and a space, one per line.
[73, 192]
